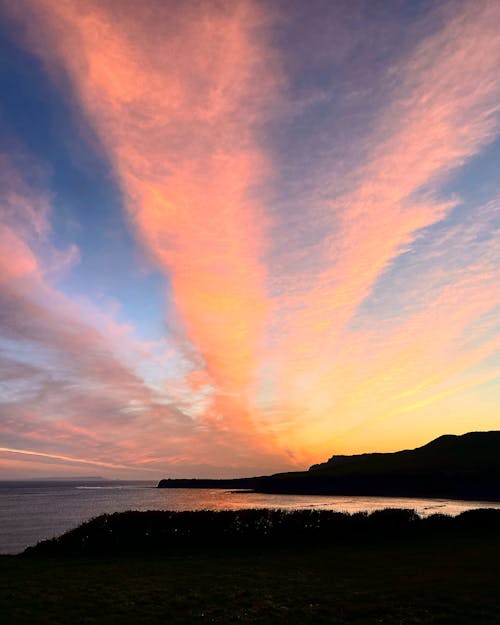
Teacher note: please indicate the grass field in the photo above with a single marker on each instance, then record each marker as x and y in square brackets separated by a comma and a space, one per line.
[443, 583]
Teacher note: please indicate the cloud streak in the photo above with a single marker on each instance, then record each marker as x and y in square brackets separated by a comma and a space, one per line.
[72, 387]
[346, 318]
[443, 110]
[38, 454]
[178, 112]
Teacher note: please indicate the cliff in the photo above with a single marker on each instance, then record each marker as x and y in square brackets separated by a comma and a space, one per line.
[466, 467]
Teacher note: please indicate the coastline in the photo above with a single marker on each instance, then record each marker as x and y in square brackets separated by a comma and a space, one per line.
[381, 487]
[465, 467]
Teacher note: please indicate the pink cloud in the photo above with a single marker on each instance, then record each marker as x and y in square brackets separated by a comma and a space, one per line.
[179, 105]
[73, 391]
[442, 111]
[179, 113]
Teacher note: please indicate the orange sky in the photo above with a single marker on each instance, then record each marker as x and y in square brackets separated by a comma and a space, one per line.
[321, 223]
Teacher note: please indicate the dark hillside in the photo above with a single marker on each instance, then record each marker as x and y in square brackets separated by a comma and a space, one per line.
[462, 467]
[471, 452]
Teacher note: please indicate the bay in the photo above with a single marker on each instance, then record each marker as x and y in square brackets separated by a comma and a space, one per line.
[32, 511]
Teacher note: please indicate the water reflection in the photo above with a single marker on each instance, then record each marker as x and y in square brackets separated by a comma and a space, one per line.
[32, 512]
[213, 499]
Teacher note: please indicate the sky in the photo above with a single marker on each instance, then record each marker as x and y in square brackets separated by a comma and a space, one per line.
[239, 236]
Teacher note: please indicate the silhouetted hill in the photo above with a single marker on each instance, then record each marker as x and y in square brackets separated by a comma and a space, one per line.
[466, 467]
[471, 452]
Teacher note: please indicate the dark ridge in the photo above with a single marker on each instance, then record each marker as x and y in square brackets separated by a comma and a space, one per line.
[472, 451]
[456, 467]
[171, 532]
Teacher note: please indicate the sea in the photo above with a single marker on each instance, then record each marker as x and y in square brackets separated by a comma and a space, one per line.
[31, 511]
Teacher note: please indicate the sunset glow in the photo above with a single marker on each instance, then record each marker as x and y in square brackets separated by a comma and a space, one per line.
[239, 237]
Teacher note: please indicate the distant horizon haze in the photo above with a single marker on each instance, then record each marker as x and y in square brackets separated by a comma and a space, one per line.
[223, 474]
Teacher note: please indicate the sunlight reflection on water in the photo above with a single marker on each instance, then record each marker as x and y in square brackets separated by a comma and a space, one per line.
[32, 512]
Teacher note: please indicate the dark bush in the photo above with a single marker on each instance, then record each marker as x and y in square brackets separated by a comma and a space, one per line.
[164, 531]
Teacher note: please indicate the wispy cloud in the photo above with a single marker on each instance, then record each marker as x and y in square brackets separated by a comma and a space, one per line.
[178, 112]
[443, 110]
[38, 454]
[72, 378]
[299, 327]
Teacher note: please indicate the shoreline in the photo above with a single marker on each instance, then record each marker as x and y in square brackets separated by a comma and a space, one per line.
[164, 531]
[209, 484]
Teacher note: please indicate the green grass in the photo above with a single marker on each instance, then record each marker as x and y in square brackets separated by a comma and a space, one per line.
[447, 580]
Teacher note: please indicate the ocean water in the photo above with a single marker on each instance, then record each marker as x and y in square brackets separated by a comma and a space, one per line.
[32, 511]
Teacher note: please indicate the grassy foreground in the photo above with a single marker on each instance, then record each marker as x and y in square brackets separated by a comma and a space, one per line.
[411, 578]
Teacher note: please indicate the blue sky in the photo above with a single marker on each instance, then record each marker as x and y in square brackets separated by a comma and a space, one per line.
[239, 237]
